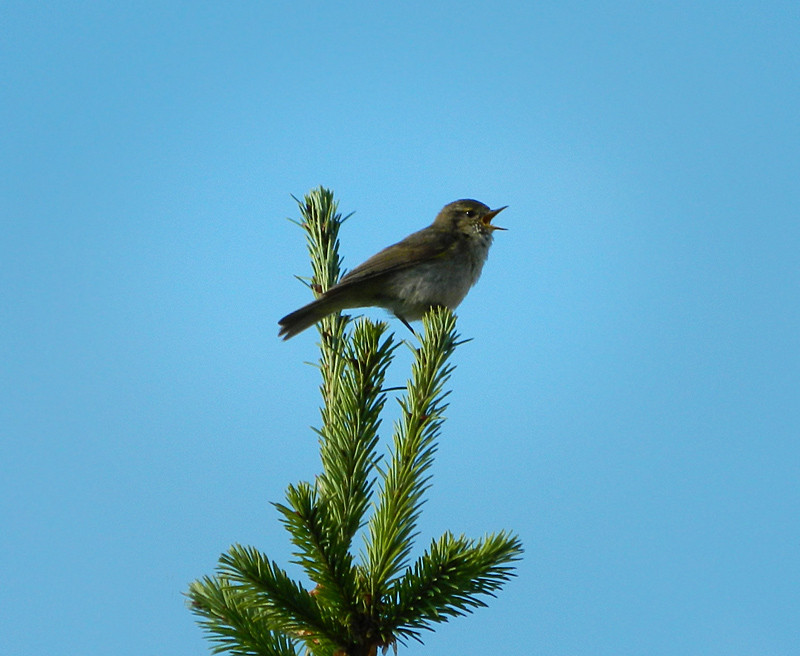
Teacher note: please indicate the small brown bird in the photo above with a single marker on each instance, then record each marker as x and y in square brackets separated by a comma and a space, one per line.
[432, 267]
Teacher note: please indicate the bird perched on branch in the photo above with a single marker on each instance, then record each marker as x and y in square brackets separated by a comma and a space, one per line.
[432, 267]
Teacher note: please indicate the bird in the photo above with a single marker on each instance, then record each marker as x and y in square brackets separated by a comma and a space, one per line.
[435, 266]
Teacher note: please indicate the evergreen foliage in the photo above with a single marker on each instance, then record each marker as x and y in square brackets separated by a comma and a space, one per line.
[358, 603]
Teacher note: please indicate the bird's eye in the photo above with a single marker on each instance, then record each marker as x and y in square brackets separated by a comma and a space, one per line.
[470, 213]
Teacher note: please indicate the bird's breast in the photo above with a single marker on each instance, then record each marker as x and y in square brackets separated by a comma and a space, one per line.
[444, 280]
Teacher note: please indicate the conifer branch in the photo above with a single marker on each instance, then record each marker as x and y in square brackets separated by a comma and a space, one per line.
[325, 559]
[353, 371]
[448, 579]
[235, 623]
[393, 524]
[320, 220]
[349, 435]
[287, 606]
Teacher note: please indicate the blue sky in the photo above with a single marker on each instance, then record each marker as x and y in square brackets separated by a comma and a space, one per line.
[629, 404]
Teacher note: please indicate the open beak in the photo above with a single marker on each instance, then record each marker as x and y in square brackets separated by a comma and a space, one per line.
[487, 218]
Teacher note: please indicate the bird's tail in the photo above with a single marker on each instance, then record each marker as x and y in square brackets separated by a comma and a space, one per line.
[307, 316]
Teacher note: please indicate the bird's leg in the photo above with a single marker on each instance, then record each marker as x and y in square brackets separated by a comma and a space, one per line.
[407, 325]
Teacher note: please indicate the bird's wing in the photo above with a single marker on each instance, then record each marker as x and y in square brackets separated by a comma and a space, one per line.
[414, 249]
